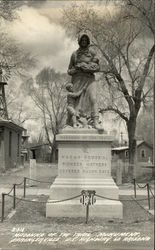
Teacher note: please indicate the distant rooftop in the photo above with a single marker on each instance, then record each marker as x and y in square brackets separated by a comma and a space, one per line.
[120, 148]
[10, 124]
[139, 142]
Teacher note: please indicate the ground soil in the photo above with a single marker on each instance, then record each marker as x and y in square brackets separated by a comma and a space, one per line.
[30, 218]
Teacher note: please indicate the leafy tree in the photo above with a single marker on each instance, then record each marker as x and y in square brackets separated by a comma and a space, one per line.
[126, 58]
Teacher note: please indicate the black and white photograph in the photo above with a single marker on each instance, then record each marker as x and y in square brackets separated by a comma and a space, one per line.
[77, 110]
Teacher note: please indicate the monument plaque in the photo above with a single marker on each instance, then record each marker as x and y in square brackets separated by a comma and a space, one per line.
[84, 163]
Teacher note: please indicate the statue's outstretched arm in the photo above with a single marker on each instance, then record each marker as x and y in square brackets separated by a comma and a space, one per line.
[75, 94]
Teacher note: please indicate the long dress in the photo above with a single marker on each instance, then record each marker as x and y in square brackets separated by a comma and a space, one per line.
[83, 76]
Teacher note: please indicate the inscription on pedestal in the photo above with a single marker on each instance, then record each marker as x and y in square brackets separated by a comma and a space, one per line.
[84, 137]
[84, 160]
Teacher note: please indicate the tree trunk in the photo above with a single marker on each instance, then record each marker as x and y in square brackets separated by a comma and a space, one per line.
[54, 151]
[131, 126]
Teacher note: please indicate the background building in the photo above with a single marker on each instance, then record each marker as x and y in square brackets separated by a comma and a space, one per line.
[10, 144]
[144, 159]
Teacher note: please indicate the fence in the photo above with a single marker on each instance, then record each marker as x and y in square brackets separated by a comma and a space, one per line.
[85, 194]
[12, 194]
[149, 190]
[142, 170]
[13, 191]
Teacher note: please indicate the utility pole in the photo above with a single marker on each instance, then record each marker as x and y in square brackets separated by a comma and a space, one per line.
[3, 105]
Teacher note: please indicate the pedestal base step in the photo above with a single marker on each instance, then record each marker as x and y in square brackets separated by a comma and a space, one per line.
[73, 208]
[63, 188]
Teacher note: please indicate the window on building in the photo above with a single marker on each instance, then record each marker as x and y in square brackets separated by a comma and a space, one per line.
[10, 143]
[143, 153]
[126, 154]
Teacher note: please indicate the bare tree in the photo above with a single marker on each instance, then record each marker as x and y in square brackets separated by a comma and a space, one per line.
[8, 9]
[144, 12]
[49, 95]
[125, 57]
[19, 114]
[12, 56]
[14, 62]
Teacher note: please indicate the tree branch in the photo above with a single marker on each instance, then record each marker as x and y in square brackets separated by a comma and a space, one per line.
[117, 111]
[139, 89]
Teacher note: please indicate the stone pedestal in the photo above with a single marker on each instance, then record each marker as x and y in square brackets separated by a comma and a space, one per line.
[84, 163]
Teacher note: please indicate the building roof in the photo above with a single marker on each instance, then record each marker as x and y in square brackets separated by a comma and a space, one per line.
[32, 147]
[10, 124]
[122, 148]
[139, 142]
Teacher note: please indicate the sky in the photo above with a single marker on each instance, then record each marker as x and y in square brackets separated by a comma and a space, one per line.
[38, 30]
[44, 38]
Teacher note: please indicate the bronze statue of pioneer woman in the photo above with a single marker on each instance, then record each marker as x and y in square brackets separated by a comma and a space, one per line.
[83, 64]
